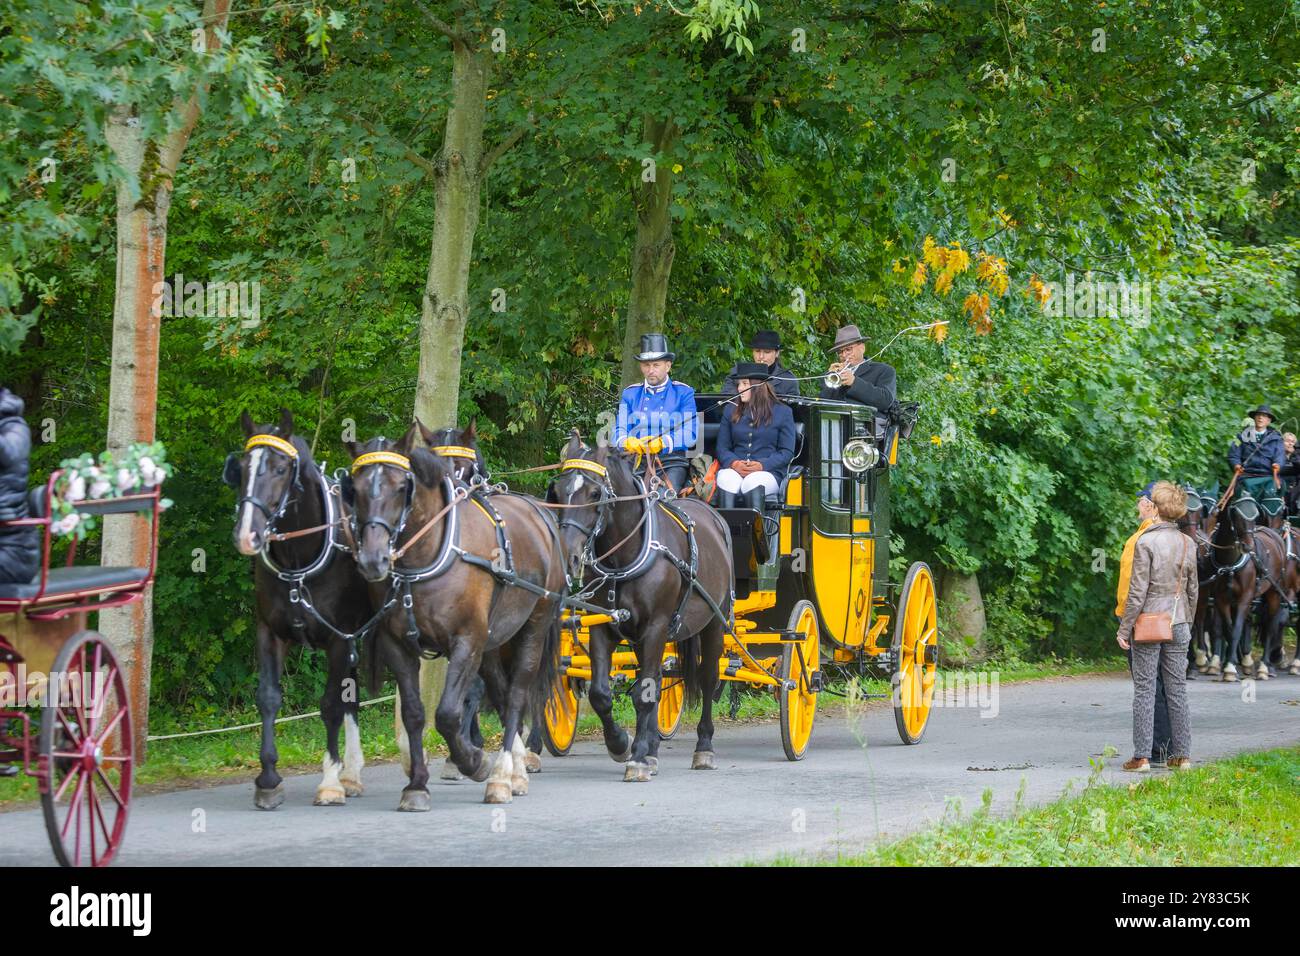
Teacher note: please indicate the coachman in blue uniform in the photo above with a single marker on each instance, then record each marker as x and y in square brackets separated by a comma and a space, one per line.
[658, 416]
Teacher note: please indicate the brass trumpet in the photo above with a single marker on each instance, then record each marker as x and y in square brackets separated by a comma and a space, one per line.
[835, 378]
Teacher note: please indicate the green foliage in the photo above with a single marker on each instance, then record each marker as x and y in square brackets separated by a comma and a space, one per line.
[814, 150]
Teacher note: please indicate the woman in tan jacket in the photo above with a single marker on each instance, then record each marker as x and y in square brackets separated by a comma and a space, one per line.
[1163, 581]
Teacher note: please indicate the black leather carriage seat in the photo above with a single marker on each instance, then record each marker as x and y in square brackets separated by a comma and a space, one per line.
[66, 581]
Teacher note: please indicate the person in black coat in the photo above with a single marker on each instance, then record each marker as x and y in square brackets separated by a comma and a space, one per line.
[755, 441]
[19, 547]
[766, 346]
[869, 383]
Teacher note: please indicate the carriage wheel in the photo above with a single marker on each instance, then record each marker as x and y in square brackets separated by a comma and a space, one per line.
[86, 752]
[560, 726]
[916, 653]
[800, 661]
[672, 701]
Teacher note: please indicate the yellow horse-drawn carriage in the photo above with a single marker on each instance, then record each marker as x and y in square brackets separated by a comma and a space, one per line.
[812, 586]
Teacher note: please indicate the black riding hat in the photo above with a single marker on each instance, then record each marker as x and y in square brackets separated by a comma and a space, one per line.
[766, 339]
[752, 371]
[653, 348]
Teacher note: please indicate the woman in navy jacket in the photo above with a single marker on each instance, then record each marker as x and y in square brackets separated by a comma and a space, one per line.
[755, 441]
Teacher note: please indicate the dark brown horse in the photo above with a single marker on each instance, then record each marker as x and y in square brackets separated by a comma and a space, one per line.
[448, 556]
[308, 593]
[1193, 525]
[1248, 562]
[459, 446]
[670, 568]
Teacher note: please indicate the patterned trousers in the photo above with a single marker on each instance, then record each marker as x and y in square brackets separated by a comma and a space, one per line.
[1170, 660]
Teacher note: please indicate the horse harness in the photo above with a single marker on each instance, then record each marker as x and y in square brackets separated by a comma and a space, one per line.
[500, 566]
[300, 599]
[651, 547]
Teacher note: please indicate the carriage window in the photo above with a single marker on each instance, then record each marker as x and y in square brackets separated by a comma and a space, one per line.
[837, 488]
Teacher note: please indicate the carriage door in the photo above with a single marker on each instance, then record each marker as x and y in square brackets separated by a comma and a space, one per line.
[842, 542]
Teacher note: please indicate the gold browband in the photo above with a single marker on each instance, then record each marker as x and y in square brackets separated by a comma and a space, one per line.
[594, 467]
[272, 441]
[454, 451]
[381, 458]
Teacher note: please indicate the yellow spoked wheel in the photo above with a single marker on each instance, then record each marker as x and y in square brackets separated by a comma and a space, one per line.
[561, 723]
[916, 653]
[672, 697]
[801, 671]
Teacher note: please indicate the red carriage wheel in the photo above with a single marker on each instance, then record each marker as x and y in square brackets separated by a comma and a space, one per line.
[86, 753]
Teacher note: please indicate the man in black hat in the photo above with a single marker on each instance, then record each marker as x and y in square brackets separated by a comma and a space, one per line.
[1256, 457]
[870, 383]
[658, 416]
[766, 346]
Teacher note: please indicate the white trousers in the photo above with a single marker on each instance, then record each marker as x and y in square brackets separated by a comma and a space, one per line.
[731, 481]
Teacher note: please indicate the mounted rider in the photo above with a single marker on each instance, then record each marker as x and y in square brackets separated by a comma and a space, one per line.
[658, 416]
[766, 346]
[1256, 457]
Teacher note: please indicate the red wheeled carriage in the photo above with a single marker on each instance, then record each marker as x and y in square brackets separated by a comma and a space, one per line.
[65, 715]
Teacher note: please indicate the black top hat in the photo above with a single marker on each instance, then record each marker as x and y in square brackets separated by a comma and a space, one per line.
[654, 347]
[766, 339]
[753, 371]
[1261, 410]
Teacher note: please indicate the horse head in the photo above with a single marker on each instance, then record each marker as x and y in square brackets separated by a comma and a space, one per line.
[266, 474]
[460, 447]
[389, 482]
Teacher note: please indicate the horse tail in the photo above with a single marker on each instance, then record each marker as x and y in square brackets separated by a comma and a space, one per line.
[374, 665]
[547, 682]
[688, 662]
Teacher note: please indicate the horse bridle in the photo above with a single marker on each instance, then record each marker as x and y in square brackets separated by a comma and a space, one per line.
[592, 531]
[283, 447]
[384, 459]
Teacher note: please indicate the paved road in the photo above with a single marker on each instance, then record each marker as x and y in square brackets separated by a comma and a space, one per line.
[847, 792]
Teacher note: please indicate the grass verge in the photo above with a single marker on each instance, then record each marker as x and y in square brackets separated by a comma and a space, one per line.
[1242, 811]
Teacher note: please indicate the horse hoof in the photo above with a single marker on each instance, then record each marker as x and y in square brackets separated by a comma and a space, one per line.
[653, 764]
[625, 756]
[329, 797]
[519, 786]
[1229, 677]
[415, 801]
[484, 770]
[353, 788]
[702, 760]
[1295, 668]
[1247, 662]
[269, 799]
[532, 762]
[1261, 672]
[497, 792]
[1201, 661]
[636, 772]
[450, 772]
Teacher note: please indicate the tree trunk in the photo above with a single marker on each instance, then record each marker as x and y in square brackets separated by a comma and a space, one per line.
[652, 256]
[445, 308]
[133, 380]
[962, 594]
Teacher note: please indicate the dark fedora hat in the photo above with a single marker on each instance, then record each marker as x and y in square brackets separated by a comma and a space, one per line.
[653, 348]
[1261, 410]
[848, 335]
[766, 339]
[753, 371]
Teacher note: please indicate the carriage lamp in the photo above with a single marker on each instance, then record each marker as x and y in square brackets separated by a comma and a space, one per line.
[859, 455]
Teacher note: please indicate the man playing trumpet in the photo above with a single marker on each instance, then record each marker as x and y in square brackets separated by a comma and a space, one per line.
[853, 379]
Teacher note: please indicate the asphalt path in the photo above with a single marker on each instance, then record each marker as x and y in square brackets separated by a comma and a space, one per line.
[857, 784]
